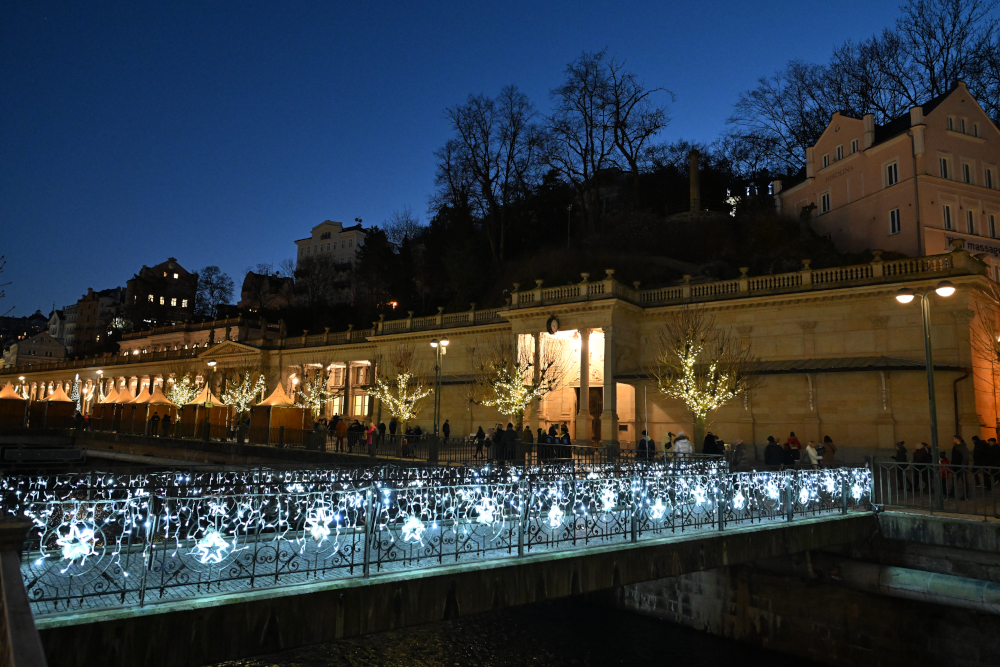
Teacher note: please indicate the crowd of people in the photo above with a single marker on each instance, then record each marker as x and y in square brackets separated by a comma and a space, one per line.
[792, 454]
[960, 470]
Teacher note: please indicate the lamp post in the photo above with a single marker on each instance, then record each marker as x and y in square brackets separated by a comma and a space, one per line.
[569, 209]
[100, 389]
[905, 295]
[21, 379]
[211, 384]
[440, 349]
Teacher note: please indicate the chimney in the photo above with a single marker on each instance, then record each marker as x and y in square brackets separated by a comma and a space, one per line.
[869, 120]
[695, 182]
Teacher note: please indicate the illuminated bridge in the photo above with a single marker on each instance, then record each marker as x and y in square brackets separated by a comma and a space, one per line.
[118, 565]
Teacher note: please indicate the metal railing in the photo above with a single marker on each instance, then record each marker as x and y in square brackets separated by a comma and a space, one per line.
[965, 489]
[145, 543]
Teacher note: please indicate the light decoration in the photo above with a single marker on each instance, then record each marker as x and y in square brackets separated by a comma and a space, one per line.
[242, 395]
[315, 396]
[78, 543]
[700, 494]
[486, 509]
[772, 490]
[608, 499]
[804, 495]
[183, 391]
[856, 491]
[739, 501]
[413, 529]
[74, 393]
[402, 396]
[211, 548]
[318, 524]
[555, 516]
[658, 509]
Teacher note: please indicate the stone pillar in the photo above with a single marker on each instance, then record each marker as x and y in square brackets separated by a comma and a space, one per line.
[609, 416]
[583, 407]
[348, 398]
[536, 405]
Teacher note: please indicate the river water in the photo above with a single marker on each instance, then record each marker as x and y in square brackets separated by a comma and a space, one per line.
[563, 633]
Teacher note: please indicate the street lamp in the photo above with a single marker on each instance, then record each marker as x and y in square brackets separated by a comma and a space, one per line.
[440, 349]
[100, 388]
[905, 295]
[21, 378]
[211, 384]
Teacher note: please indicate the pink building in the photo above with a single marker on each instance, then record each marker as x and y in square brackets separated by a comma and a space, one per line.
[910, 186]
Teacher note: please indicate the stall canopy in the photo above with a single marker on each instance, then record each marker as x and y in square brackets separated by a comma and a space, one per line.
[56, 410]
[12, 406]
[274, 412]
[148, 404]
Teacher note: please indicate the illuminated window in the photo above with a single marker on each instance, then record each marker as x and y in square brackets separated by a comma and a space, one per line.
[184, 303]
[337, 405]
[175, 276]
[164, 274]
[359, 405]
[173, 301]
[946, 214]
[162, 300]
[151, 298]
[894, 224]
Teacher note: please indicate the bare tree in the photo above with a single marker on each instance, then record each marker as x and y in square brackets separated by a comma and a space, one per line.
[3, 263]
[402, 225]
[400, 383]
[215, 288]
[506, 378]
[497, 145]
[315, 280]
[701, 364]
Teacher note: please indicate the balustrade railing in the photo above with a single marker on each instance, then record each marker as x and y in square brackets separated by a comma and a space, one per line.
[964, 489]
[125, 546]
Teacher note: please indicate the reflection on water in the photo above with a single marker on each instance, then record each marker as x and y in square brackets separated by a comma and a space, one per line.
[564, 633]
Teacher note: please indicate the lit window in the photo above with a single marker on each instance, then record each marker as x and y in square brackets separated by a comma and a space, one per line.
[943, 165]
[892, 174]
[840, 152]
[184, 303]
[161, 300]
[967, 172]
[946, 213]
[175, 276]
[173, 301]
[970, 222]
[824, 203]
[854, 146]
[894, 224]
[826, 160]
[164, 274]
[151, 298]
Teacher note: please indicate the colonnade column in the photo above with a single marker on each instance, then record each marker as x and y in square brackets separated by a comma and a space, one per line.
[609, 416]
[348, 404]
[583, 418]
[536, 405]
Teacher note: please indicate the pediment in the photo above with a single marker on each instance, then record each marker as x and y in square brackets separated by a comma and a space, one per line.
[229, 348]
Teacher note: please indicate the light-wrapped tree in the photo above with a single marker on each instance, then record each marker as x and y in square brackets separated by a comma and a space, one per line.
[315, 394]
[702, 364]
[399, 383]
[241, 393]
[183, 389]
[506, 378]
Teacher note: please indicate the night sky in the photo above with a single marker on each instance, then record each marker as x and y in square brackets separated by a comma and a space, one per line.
[220, 132]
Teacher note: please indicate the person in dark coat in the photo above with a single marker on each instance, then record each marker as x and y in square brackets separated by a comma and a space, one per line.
[165, 425]
[480, 439]
[921, 471]
[508, 440]
[393, 425]
[774, 455]
[708, 446]
[900, 458]
[960, 456]
[446, 429]
[154, 424]
[993, 460]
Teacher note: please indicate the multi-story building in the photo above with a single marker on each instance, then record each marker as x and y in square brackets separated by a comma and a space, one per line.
[331, 241]
[62, 325]
[37, 350]
[266, 292]
[94, 314]
[911, 186]
[162, 294]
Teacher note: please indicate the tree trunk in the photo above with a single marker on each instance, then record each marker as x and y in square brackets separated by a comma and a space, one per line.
[699, 433]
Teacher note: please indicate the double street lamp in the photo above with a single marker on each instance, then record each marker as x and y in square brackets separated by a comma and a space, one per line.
[944, 288]
[440, 349]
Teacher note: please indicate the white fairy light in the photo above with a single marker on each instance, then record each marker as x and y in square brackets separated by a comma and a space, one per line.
[803, 496]
[486, 510]
[78, 543]
[771, 489]
[413, 529]
[739, 501]
[658, 509]
[608, 499]
[555, 516]
[700, 495]
[318, 524]
[211, 548]
[856, 491]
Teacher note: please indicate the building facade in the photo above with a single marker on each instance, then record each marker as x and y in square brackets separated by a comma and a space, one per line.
[95, 313]
[162, 294]
[841, 357]
[62, 326]
[331, 241]
[911, 186]
[38, 350]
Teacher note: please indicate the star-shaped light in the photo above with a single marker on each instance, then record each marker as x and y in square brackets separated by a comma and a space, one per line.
[608, 499]
[211, 548]
[772, 490]
[413, 529]
[658, 509]
[856, 492]
[739, 500]
[555, 516]
[700, 495]
[803, 496]
[78, 543]
[829, 484]
[486, 510]
[318, 524]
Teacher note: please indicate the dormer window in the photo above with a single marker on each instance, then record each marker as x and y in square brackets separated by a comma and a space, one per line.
[175, 276]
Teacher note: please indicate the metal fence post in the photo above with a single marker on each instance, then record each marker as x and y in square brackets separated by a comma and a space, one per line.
[369, 520]
[721, 497]
[281, 437]
[843, 493]
[522, 513]
[789, 508]
[636, 505]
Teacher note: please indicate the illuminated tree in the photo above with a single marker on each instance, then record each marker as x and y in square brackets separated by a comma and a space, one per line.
[74, 393]
[506, 378]
[400, 385]
[702, 365]
[316, 394]
[242, 394]
[183, 390]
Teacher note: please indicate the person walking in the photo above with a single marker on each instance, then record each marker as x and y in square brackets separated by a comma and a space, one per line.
[829, 452]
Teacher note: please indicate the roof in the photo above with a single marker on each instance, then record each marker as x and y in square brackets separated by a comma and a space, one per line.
[58, 396]
[9, 392]
[155, 398]
[204, 397]
[835, 365]
[278, 398]
[901, 124]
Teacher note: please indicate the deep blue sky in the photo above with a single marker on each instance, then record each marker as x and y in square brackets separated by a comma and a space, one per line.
[220, 132]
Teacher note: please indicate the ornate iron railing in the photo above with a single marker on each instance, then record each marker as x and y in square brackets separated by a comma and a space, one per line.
[148, 539]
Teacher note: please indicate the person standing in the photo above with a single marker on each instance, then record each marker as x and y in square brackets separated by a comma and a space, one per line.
[741, 461]
[682, 445]
[341, 431]
[393, 425]
[813, 458]
[961, 457]
[154, 423]
[165, 425]
[921, 466]
[480, 438]
[446, 429]
[508, 442]
[900, 458]
[774, 455]
[829, 452]
[708, 446]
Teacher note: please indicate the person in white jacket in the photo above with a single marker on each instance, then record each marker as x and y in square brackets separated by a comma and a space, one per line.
[814, 456]
[682, 445]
